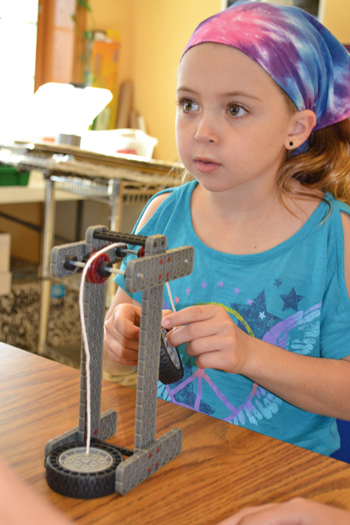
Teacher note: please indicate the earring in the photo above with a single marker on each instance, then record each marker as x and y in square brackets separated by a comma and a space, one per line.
[291, 144]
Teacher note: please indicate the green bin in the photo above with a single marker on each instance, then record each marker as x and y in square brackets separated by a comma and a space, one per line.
[12, 177]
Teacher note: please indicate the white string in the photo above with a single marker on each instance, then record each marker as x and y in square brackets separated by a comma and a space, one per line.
[172, 306]
[86, 342]
[170, 297]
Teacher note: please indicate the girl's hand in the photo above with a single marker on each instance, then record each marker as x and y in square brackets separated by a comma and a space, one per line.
[212, 337]
[298, 511]
[121, 334]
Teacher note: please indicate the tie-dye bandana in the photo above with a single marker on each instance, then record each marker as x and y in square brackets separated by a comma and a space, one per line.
[297, 51]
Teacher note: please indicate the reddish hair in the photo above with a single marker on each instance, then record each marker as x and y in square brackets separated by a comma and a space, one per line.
[324, 167]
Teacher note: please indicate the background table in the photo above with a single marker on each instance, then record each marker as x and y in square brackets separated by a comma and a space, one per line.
[104, 178]
[221, 468]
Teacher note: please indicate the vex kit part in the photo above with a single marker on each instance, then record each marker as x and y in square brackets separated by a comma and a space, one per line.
[74, 467]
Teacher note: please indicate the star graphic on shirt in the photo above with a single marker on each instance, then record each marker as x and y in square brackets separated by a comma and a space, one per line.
[237, 291]
[204, 285]
[291, 300]
[220, 284]
[177, 299]
[188, 290]
[250, 302]
[277, 283]
[256, 315]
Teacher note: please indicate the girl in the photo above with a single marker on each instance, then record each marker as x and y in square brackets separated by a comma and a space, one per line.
[263, 321]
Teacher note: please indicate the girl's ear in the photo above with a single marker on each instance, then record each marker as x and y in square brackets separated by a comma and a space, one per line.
[302, 124]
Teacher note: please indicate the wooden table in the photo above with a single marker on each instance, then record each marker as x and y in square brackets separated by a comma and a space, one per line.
[221, 468]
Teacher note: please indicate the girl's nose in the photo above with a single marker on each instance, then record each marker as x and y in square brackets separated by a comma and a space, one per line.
[206, 131]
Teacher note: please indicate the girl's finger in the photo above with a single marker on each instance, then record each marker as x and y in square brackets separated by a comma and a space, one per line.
[124, 329]
[206, 334]
[188, 315]
[195, 331]
[166, 312]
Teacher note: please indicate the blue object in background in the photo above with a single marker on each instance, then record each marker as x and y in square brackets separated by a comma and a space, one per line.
[343, 454]
[58, 291]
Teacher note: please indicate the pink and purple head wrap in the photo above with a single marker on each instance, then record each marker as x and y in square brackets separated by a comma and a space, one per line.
[297, 51]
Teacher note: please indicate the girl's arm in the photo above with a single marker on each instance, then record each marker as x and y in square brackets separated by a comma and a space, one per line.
[317, 385]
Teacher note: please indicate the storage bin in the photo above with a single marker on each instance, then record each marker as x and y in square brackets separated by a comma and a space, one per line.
[12, 177]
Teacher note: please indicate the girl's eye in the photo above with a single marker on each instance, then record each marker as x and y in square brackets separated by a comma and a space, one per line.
[187, 105]
[236, 111]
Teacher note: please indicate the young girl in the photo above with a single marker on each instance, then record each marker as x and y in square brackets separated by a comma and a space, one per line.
[263, 322]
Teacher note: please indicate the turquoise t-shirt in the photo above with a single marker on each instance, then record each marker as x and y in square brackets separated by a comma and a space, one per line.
[293, 296]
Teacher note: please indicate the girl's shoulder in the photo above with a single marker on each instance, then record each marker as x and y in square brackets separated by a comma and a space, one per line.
[338, 235]
[343, 236]
[337, 205]
[151, 209]
[162, 204]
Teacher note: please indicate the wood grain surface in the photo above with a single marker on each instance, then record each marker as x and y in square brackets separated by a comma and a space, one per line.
[221, 468]
[132, 162]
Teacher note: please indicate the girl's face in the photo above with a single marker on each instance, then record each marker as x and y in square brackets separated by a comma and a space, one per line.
[232, 120]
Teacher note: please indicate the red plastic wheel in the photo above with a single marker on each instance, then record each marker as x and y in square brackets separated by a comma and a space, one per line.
[92, 273]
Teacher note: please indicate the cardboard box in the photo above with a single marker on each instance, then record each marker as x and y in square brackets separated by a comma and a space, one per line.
[5, 251]
[5, 283]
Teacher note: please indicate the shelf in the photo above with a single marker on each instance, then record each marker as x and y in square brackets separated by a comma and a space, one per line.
[19, 194]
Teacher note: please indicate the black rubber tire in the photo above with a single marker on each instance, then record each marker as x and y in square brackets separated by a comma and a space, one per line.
[170, 368]
[80, 484]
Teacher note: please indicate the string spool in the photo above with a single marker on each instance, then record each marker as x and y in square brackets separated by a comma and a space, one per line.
[92, 274]
[141, 252]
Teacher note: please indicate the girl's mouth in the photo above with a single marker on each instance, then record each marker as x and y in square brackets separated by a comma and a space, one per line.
[206, 165]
